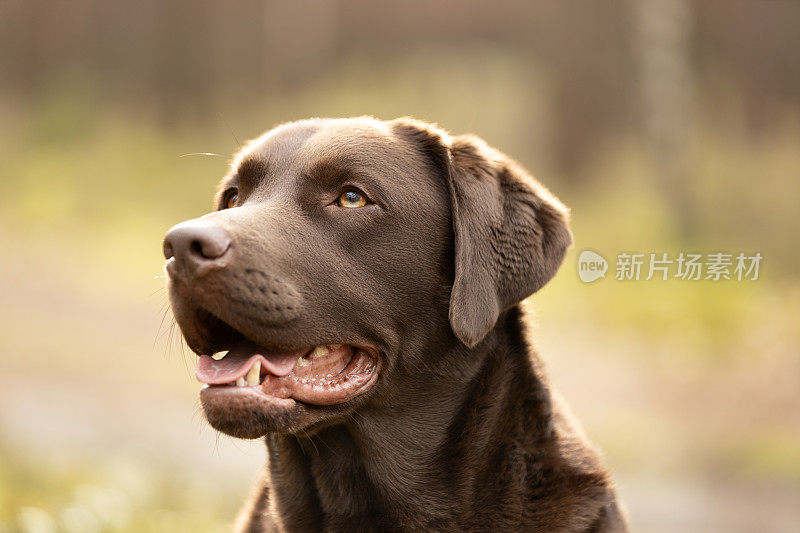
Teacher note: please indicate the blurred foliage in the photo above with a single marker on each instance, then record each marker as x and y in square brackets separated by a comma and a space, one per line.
[110, 495]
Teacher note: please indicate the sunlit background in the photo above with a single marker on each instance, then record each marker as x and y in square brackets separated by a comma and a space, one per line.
[666, 125]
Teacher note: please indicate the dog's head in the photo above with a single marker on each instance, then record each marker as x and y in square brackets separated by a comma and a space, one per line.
[346, 257]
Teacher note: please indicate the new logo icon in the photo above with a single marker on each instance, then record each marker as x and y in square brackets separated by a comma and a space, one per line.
[591, 266]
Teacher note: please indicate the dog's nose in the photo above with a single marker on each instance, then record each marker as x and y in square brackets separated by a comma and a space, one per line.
[196, 242]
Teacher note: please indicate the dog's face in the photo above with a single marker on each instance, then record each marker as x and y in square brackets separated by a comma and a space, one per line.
[343, 258]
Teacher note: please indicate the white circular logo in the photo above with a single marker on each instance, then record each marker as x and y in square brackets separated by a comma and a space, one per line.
[591, 266]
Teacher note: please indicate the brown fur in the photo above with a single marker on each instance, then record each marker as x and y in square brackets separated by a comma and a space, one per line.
[461, 431]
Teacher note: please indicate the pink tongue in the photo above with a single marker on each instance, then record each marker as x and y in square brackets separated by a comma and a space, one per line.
[239, 360]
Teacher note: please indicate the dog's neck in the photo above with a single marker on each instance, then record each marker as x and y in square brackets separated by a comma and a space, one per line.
[405, 457]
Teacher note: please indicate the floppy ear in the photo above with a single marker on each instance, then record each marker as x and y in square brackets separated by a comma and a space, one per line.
[511, 235]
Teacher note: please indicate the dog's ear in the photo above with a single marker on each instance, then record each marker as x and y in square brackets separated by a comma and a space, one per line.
[510, 233]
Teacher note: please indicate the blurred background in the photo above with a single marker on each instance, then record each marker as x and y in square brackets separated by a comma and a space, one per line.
[666, 125]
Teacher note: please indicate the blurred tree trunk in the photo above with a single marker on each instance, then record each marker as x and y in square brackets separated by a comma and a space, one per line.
[662, 37]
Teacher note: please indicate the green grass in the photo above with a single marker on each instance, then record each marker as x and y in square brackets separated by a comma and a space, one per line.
[39, 495]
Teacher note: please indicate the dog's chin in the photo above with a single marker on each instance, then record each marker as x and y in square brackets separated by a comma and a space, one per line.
[247, 414]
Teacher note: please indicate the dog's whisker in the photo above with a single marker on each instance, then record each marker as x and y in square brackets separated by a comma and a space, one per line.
[216, 442]
[168, 349]
[235, 444]
[299, 444]
[164, 337]
[200, 153]
[181, 347]
[165, 306]
[353, 416]
[314, 444]
[197, 416]
[170, 328]
[235, 138]
[185, 351]
[326, 444]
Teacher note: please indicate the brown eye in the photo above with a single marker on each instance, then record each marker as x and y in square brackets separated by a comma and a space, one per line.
[351, 199]
[230, 198]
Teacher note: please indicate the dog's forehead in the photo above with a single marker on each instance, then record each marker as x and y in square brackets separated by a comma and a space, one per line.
[346, 140]
[299, 147]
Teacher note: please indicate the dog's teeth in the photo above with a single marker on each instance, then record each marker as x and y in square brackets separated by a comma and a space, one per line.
[241, 382]
[254, 374]
[219, 355]
[319, 351]
[303, 361]
[333, 347]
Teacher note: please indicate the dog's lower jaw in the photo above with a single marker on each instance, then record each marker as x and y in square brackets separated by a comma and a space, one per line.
[473, 468]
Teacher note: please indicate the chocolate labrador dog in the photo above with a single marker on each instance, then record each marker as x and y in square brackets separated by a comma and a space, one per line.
[364, 278]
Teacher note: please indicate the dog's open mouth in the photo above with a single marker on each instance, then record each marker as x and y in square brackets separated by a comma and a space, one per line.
[320, 375]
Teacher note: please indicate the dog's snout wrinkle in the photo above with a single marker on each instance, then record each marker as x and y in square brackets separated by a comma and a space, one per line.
[196, 243]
